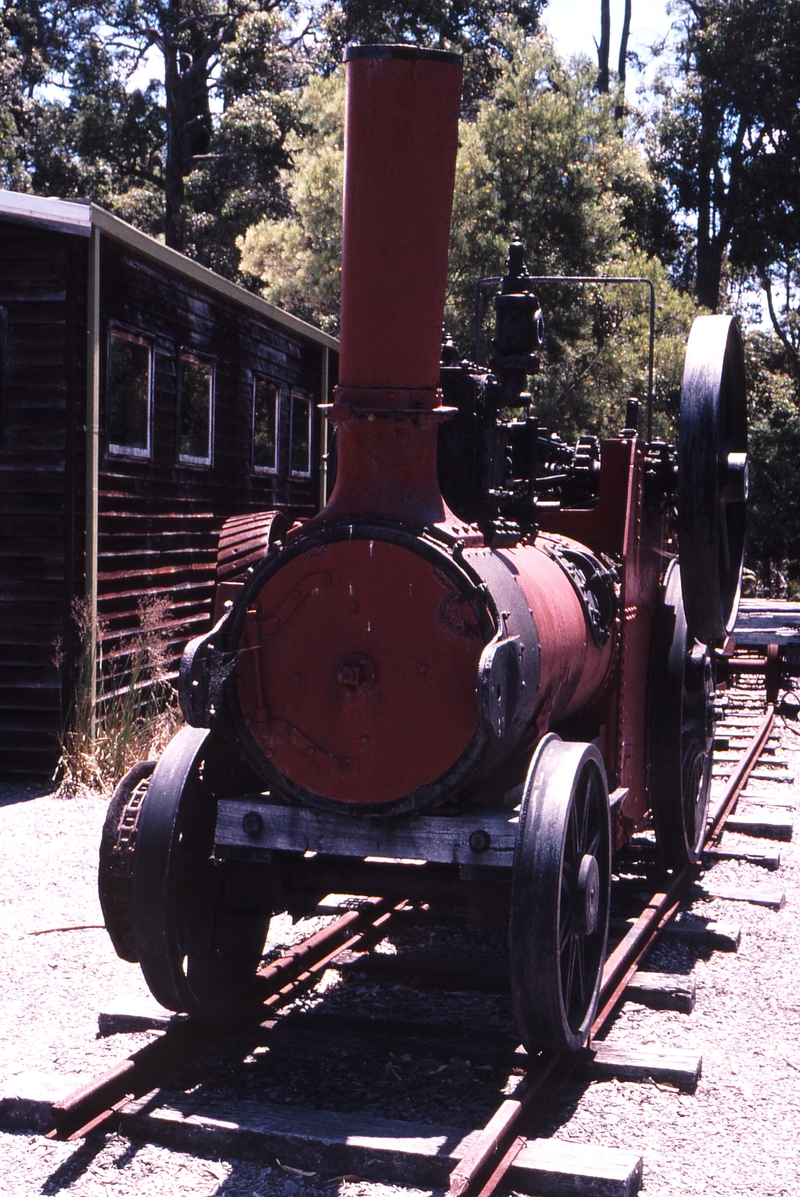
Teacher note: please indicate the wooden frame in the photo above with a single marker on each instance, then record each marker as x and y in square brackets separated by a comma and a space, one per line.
[120, 332]
[256, 467]
[300, 397]
[187, 355]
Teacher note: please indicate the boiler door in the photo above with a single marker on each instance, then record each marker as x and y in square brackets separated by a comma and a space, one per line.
[356, 673]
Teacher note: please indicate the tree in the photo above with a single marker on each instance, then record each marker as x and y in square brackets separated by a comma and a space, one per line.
[604, 48]
[243, 175]
[161, 156]
[773, 533]
[604, 54]
[543, 158]
[470, 26]
[729, 135]
[296, 261]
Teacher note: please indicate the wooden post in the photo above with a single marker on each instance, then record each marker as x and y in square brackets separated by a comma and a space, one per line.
[92, 453]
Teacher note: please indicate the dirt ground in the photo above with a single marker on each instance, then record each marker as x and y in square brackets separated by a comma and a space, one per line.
[737, 1134]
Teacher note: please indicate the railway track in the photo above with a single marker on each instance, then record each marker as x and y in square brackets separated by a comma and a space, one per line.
[504, 1148]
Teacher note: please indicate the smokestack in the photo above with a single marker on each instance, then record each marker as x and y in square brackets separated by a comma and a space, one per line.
[401, 140]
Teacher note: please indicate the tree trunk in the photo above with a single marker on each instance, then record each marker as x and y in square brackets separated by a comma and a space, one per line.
[604, 48]
[622, 70]
[173, 170]
[188, 131]
[709, 246]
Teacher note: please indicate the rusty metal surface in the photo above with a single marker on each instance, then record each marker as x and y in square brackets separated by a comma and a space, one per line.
[349, 645]
[400, 154]
[244, 541]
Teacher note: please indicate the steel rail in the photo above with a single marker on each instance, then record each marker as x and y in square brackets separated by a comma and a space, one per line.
[480, 1172]
[279, 983]
[738, 779]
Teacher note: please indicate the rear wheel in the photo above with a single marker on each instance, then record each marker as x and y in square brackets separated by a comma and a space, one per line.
[681, 730]
[197, 953]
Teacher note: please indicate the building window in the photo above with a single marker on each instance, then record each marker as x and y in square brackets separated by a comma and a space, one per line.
[196, 410]
[130, 388]
[300, 451]
[266, 401]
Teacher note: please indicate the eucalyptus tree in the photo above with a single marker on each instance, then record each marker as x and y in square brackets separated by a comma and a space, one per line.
[728, 139]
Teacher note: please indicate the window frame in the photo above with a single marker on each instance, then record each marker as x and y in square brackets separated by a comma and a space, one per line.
[125, 333]
[188, 353]
[271, 471]
[296, 393]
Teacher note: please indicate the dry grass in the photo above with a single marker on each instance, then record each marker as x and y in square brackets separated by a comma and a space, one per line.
[135, 711]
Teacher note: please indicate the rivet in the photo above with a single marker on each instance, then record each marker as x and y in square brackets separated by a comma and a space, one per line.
[480, 841]
[252, 823]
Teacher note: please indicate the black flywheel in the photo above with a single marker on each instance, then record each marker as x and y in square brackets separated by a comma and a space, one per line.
[681, 730]
[712, 476]
[560, 894]
[198, 954]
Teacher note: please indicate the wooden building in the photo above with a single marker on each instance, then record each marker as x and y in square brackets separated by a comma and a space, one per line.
[143, 400]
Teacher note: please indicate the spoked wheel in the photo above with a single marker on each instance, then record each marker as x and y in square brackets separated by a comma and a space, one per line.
[560, 895]
[712, 476]
[681, 730]
[196, 953]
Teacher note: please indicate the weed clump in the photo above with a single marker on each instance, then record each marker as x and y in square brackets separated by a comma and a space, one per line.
[123, 707]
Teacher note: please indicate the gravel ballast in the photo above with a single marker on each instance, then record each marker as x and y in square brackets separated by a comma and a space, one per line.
[737, 1134]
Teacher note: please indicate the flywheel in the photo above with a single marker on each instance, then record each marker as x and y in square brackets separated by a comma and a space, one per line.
[712, 476]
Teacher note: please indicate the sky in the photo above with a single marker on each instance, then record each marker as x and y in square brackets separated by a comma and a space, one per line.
[575, 24]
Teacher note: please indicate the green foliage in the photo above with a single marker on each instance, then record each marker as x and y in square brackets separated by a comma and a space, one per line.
[159, 157]
[240, 178]
[472, 27]
[543, 159]
[773, 534]
[297, 260]
[728, 137]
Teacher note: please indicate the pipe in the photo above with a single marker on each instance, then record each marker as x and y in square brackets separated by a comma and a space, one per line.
[92, 456]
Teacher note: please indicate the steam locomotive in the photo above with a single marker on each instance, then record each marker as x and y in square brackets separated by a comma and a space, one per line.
[481, 667]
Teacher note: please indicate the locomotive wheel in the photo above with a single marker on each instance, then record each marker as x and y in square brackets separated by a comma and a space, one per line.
[681, 730]
[560, 895]
[196, 954]
[712, 476]
[117, 851]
